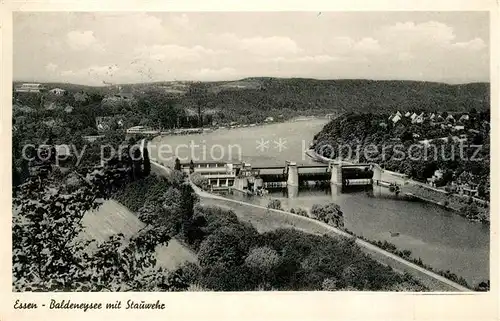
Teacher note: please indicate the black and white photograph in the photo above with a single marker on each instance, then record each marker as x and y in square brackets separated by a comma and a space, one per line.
[250, 151]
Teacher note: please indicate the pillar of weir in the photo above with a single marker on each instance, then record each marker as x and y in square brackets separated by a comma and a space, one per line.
[336, 170]
[377, 172]
[292, 191]
[293, 174]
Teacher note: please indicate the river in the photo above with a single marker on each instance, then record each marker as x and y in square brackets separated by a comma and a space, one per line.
[440, 238]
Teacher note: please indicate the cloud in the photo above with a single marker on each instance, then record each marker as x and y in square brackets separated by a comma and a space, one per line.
[259, 46]
[181, 21]
[175, 52]
[128, 30]
[420, 33]
[475, 44]
[51, 67]
[79, 40]
[425, 37]
[319, 59]
[367, 45]
[167, 46]
[214, 74]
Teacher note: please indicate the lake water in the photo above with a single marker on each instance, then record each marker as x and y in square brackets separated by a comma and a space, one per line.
[440, 238]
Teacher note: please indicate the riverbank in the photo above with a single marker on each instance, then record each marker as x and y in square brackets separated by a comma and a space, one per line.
[426, 193]
[210, 129]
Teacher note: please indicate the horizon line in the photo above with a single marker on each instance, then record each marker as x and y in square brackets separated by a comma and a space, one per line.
[260, 77]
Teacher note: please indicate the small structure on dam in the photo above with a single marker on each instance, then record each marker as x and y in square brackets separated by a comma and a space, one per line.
[256, 180]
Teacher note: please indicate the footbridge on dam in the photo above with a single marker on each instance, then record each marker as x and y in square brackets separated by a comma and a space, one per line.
[340, 173]
[335, 172]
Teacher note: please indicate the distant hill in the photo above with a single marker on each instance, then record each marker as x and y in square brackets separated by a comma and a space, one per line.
[253, 99]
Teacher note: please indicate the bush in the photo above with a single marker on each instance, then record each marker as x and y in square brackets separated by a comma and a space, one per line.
[299, 211]
[200, 181]
[223, 278]
[483, 286]
[329, 213]
[470, 212]
[263, 259]
[274, 204]
[221, 249]
[191, 272]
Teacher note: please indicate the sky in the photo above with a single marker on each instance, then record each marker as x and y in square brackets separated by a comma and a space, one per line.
[132, 47]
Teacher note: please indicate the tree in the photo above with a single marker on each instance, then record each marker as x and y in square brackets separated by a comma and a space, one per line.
[483, 286]
[220, 249]
[470, 211]
[147, 162]
[177, 165]
[329, 284]
[274, 204]
[49, 253]
[137, 161]
[200, 181]
[329, 213]
[263, 261]
[198, 93]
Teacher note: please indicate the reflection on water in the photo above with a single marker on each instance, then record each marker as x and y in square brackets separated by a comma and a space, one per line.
[441, 238]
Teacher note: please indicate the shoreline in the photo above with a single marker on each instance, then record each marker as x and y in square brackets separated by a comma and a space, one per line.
[203, 130]
[412, 195]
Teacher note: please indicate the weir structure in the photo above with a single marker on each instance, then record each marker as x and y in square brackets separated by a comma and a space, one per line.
[338, 173]
[244, 177]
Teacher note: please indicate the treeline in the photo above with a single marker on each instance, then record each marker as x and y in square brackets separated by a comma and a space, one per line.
[287, 98]
[377, 140]
[258, 98]
[234, 256]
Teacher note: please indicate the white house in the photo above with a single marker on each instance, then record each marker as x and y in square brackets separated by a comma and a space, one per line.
[396, 118]
[408, 114]
[464, 117]
[432, 116]
[418, 119]
[57, 91]
[413, 116]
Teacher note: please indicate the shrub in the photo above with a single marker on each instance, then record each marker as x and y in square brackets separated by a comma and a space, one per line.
[483, 286]
[220, 249]
[200, 181]
[329, 213]
[190, 271]
[299, 211]
[264, 259]
[470, 211]
[329, 284]
[274, 204]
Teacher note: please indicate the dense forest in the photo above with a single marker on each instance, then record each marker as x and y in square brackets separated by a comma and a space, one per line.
[233, 256]
[252, 100]
[398, 147]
